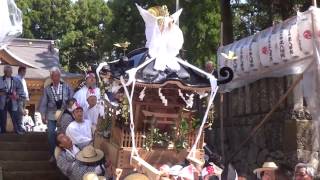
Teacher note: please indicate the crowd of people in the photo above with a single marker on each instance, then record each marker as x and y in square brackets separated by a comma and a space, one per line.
[71, 119]
[13, 97]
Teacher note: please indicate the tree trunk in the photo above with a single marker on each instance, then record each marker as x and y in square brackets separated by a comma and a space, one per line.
[226, 19]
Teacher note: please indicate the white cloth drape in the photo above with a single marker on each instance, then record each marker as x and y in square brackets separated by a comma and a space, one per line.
[10, 20]
[165, 45]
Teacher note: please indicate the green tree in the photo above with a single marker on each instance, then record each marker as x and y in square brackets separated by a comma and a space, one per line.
[46, 19]
[256, 15]
[87, 42]
[200, 23]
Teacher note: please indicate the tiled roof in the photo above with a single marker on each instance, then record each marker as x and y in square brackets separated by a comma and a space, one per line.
[37, 55]
[33, 52]
[33, 73]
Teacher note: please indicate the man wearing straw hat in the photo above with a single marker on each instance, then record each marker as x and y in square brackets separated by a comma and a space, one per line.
[92, 176]
[74, 163]
[267, 171]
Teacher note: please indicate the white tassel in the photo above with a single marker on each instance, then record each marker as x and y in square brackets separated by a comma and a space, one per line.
[202, 94]
[142, 94]
[189, 101]
[163, 98]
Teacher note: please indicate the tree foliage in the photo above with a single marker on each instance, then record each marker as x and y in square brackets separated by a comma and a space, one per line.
[256, 15]
[200, 23]
[46, 19]
[87, 29]
[86, 42]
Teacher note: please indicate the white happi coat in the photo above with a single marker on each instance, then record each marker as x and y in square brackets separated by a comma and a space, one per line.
[81, 96]
[79, 133]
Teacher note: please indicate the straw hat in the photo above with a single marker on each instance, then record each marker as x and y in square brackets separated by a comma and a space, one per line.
[136, 176]
[267, 166]
[89, 154]
[92, 176]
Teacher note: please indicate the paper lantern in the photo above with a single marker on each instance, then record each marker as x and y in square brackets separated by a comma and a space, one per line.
[317, 25]
[284, 45]
[246, 60]
[239, 60]
[304, 23]
[232, 63]
[254, 60]
[275, 48]
[264, 51]
[294, 43]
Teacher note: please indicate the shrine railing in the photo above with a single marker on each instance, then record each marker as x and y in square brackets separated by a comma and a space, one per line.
[122, 138]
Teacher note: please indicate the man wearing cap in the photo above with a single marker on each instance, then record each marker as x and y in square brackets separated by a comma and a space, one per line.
[69, 159]
[81, 94]
[79, 131]
[94, 110]
[52, 103]
[267, 171]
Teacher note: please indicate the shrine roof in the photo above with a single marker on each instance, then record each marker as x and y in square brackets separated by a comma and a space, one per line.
[33, 52]
[39, 56]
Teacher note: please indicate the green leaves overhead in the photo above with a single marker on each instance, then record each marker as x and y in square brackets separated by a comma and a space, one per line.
[87, 29]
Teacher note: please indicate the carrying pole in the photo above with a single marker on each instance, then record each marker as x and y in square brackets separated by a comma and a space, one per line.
[267, 116]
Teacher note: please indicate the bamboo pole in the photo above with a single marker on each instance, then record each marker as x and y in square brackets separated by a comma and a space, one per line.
[267, 116]
[315, 3]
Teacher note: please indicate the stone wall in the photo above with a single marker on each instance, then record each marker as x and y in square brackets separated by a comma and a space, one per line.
[285, 138]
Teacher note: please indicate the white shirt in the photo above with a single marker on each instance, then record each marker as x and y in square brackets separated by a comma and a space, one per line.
[8, 83]
[73, 152]
[93, 113]
[79, 132]
[81, 96]
[25, 88]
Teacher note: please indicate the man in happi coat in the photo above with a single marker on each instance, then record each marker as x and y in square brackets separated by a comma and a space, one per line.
[52, 104]
[81, 94]
[11, 95]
